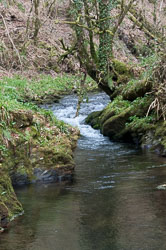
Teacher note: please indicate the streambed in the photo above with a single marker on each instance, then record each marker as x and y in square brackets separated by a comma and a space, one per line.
[112, 204]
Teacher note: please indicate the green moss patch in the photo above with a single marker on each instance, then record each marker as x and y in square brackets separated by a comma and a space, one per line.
[136, 88]
[9, 205]
[123, 119]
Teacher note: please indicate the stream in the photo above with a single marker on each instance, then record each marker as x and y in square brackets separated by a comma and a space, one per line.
[112, 204]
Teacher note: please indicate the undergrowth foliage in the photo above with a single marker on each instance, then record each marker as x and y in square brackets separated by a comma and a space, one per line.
[159, 88]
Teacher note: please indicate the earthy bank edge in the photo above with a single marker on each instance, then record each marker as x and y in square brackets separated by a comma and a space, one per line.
[38, 151]
[34, 146]
[129, 118]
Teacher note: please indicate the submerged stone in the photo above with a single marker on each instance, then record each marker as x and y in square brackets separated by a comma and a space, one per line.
[45, 176]
[162, 187]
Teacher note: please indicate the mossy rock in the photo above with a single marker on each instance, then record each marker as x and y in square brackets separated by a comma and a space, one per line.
[37, 141]
[120, 67]
[160, 135]
[22, 175]
[132, 89]
[161, 129]
[121, 72]
[46, 99]
[93, 119]
[113, 108]
[115, 120]
[22, 118]
[115, 124]
[135, 89]
[155, 139]
[9, 205]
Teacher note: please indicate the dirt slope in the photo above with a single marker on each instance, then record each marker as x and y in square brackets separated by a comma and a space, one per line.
[18, 50]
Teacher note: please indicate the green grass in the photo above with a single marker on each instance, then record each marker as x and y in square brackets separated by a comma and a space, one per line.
[17, 93]
[148, 63]
[20, 88]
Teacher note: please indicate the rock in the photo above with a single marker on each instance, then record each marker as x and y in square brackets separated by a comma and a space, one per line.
[2, 229]
[4, 221]
[46, 99]
[93, 119]
[115, 124]
[9, 205]
[22, 118]
[45, 176]
[162, 187]
[135, 89]
[19, 179]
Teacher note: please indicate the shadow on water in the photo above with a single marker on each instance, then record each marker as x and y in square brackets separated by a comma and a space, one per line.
[112, 204]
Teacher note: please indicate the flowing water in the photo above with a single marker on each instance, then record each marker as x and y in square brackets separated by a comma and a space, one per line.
[112, 204]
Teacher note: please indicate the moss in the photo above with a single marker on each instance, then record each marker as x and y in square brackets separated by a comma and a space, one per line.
[96, 126]
[154, 139]
[21, 118]
[120, 67]
[122, 119]
[107, 113]
[160, 132]
[31, 137]
[9, 205]
[36, 139]
[136, 88]
[121, 72]
[140, 106]
[123, 79]
[116, 123]
[21, 170]
[161, 129]
[93, 119]
[114, 108]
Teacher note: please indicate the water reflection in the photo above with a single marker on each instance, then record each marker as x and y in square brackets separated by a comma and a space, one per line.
[125, 217]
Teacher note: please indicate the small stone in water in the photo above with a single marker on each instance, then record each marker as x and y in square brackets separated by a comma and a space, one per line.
[1, 229]
[162, 187]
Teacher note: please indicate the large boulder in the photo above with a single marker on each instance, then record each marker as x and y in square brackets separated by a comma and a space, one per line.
[118, 119]
[112, 126]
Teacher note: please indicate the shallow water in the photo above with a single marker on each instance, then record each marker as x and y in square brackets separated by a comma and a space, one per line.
[112, 204]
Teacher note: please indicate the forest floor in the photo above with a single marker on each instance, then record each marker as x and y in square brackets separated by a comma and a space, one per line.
[21, 54]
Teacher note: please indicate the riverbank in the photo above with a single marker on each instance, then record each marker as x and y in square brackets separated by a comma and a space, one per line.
[35, 146]
[136, 113]
[115, 189]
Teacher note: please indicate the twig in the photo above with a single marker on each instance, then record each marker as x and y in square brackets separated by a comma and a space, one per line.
[94, 29]
[161, 5]
[14, 47]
